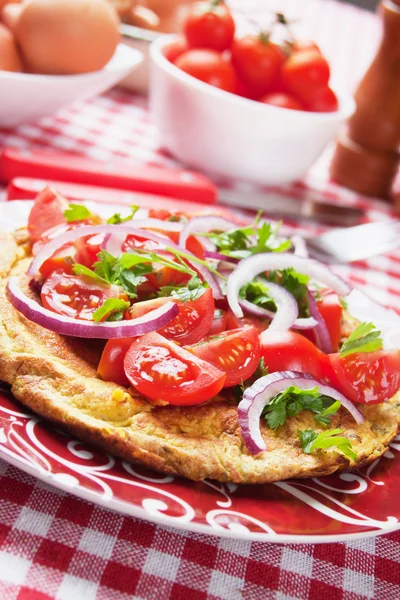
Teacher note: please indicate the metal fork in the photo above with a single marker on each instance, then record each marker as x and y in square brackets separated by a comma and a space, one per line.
[354, 243]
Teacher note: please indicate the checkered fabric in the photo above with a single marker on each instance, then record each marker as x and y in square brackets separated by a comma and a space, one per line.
[53, 545]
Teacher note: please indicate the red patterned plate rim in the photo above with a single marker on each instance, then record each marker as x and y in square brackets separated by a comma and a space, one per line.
[343, 507]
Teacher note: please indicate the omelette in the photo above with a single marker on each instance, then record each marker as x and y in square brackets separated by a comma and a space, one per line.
[56, 377]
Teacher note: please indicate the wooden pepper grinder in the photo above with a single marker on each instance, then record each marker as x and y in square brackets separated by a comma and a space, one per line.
[367, 157]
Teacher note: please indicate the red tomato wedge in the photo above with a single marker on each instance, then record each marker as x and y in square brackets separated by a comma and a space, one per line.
[111, 365]
[233, 322]
[367, 377]
[331, 311]
[289, 351]
[74, 296]
[47, 212]
[163, 371]
[235, 352]
[191, 324]
[65, 256]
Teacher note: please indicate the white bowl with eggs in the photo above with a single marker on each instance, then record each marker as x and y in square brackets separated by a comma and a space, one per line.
[25, 97]
[226, 135]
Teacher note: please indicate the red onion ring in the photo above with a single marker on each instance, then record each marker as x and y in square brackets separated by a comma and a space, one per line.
[250, 267]
[287, 310]
[256, 397]
[63, 325]
[322, 336]
[204, 225]
[221, 257]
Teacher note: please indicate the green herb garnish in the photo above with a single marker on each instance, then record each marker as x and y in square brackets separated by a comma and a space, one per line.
[185, 293]
[312, 440]
[112, 310]
[77, 212]
[365, 338]
[116, 218]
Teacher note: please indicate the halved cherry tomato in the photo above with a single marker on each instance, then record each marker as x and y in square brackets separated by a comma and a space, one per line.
[303, 73]
[172, 51]
[282, 101]
[367, 377]
[163, 371]
[323, 100]
[47, 212]
[209, 25]
[74, 296]
[257, 61]
[191, 324]
[219, 321]
[289, 351]
[331, 311]
[111, 365]
[237, 352]
[208, 66]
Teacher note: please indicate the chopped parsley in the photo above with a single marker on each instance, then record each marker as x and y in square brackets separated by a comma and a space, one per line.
[77, 212]
[79, 269]
[116, 218]
[242, 242]
[294, 400]
[185, 293]
[312, 440]
[364, 338]
[112, 310]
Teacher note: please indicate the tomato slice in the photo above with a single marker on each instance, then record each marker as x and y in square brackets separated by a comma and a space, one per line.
[47, 212]
[331, 311]
[290, 351]
[237, 352]
[219, 321]
[111, 365]
[75, 296]
[163, 371]
[191, 324]
[367, 377]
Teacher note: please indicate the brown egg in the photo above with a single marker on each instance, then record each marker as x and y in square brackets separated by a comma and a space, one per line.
[9, 56]
[67, 36]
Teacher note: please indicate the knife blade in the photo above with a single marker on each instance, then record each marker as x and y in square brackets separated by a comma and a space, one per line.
[83, 179]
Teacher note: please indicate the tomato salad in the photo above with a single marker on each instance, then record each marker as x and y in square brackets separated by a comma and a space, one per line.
[193, 307]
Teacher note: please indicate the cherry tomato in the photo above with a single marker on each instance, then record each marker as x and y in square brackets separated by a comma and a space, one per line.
[191, 324]
[323, 100]
[111, 365]
[367, 377]
[75, 296]
[331, 311]
[209, 25]
[47, 212]
[161, 370]
[208, 66]
[236, 352]
[219, 321]
[257, 61]
[289, 351]
[301, 45]
[303, 73]
[173, 50]
[282, 101]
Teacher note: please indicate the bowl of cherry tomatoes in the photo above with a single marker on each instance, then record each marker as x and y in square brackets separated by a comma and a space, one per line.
[243, 107]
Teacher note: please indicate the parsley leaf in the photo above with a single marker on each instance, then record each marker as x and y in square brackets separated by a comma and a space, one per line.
[79, 269]
[77, 212]
[293, 400]
[365, 338]
[116, 218]
[296, 284]
[343, 302]
[191, 291]
[112, 310]
[311, 440]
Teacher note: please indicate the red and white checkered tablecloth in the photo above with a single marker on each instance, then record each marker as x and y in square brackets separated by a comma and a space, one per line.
[53, 545]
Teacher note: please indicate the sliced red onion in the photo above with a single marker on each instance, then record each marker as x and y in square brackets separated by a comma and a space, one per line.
[221, 257]
[256, 397]
[204, 225]
[299, 245]
[287, 310]
[322, 337]
[250, 267]
[63, 325]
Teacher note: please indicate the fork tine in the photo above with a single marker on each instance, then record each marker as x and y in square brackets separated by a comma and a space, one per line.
[356, 243]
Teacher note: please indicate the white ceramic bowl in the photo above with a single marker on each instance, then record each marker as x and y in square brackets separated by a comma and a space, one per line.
[25, 97]
[224, 134]
[140, 39]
